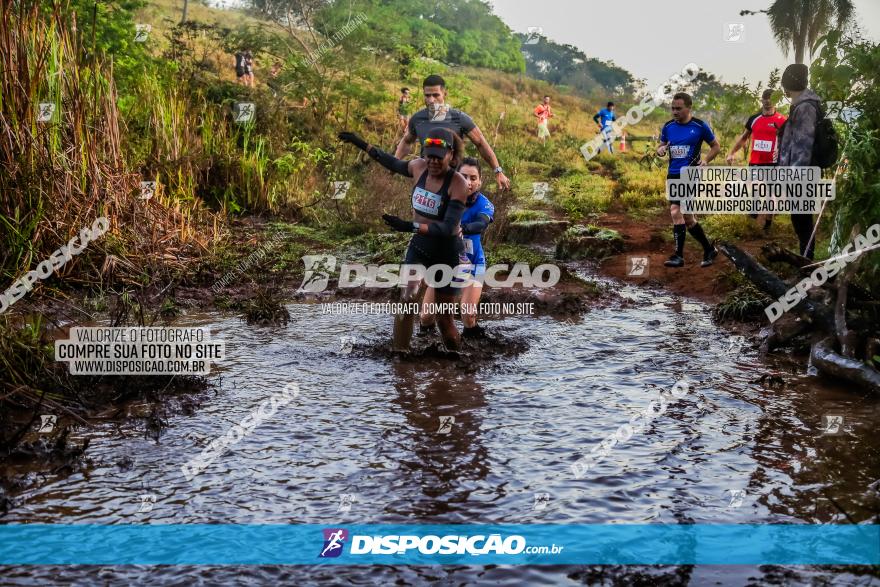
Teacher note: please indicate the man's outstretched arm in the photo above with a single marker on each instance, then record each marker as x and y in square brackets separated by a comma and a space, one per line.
[488, 156]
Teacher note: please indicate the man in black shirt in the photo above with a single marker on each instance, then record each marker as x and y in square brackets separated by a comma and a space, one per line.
[439, 114]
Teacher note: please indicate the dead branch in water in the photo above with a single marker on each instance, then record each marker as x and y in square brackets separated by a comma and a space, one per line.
[772, 285]
[831, 324]
[828, 361]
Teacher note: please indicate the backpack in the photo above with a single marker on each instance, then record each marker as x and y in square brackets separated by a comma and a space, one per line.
[825, 141]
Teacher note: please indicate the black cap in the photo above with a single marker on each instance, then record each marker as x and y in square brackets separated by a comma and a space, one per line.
[795, 77]
[443, 134]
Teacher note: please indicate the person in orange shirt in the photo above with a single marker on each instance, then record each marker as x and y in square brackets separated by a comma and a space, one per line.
[543, 113]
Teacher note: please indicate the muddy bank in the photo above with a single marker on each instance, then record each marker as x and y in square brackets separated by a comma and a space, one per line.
[42, 428]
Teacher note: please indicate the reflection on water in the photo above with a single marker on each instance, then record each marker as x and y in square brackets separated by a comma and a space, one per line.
[378, 441]
[441, 443]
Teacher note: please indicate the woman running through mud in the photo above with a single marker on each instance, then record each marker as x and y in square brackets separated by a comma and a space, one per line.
[438, 201]
[478, 214]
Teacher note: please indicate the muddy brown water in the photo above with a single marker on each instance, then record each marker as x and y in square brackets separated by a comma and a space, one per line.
[735, 449]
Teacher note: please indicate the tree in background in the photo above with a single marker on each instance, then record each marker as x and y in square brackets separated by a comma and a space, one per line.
[798, 25]
[566, 65]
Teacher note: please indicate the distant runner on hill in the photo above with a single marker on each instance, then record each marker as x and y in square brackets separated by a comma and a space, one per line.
[404, 107]
[249, 69]
[604, 118]
[543, 113]
[240, 69]
[273, 78]
[762, 128]
[437, 113]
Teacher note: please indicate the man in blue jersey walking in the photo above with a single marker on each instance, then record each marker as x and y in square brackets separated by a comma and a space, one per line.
[683, 137]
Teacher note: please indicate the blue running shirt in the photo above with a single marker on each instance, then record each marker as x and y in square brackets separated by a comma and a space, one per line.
[473, 247]
[685, 142]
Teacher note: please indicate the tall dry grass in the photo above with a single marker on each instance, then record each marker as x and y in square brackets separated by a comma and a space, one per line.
[60, 175]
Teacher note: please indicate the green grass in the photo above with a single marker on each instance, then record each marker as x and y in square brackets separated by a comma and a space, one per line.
[637, 200]
[507, 253]
[522, 215]
[581, 194]
[743, 303]
[638, 179]
[730, 227]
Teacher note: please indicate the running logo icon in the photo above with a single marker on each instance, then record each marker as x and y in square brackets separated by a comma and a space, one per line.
[541, 501]
[736, 497]
[47, 423]
[244, 111]
[340, 188]
[637, 266]
[540, 189]
[446, 423]
[148, 188]
[47, 109]
[832, 424]
[141, 32]
[318, 269]
[345, 502]
[148, 501]
[334, 540]
[346, 344]
[534, 34]
[735, 32]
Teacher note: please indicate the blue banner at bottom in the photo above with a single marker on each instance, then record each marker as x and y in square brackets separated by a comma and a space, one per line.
[421, 544]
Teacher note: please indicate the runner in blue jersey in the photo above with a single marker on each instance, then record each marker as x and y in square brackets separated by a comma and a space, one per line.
[683, 137]
[604, 118]
[479, 213]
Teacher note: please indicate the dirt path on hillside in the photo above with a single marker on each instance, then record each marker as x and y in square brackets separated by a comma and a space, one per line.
[647, 238]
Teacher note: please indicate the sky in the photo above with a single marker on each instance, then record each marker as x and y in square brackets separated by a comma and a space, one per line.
[654, 40]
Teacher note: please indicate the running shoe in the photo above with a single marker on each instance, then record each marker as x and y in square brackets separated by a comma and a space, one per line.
[709, 257]
[674, 261]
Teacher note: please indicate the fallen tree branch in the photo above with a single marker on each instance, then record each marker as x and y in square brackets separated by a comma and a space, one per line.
[42, 399]
[773, 252]
[781, 333]
[830, 362]
[845, 337]
[769, 283]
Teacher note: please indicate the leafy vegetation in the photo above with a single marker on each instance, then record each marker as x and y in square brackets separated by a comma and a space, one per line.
[846, 70]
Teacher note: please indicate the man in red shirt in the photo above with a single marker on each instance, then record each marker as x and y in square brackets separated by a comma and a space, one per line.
[762, 127]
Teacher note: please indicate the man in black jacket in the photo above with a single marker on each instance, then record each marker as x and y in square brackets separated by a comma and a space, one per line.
[796, 145]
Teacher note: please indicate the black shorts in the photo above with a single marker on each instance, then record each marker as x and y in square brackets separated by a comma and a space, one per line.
[674, 176]
[431, 250]
[239, 71]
